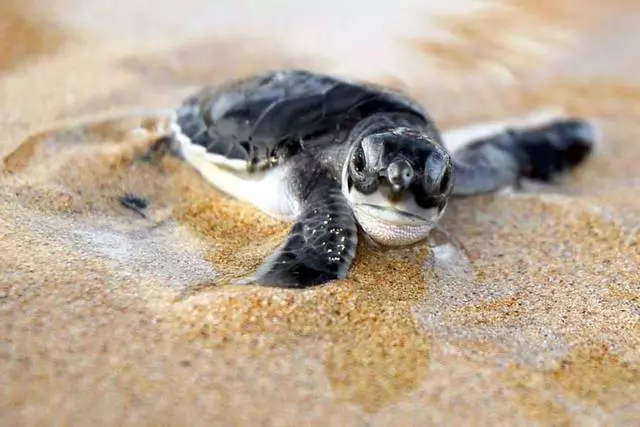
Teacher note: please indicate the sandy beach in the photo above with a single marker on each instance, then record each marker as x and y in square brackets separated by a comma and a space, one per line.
[112, 318]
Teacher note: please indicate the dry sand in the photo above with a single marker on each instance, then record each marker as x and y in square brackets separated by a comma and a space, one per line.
[109, 318]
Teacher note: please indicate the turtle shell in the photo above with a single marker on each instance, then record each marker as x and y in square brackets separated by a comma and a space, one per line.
[269, 115]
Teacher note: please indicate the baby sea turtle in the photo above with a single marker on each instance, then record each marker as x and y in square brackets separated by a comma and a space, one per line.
[332, 156]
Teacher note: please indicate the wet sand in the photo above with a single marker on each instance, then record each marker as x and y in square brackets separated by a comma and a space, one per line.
[112, 318]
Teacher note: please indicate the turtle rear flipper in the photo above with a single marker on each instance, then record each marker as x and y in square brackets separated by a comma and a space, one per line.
[541, 153]
[166, 144]
[556, 148]
[322, 243]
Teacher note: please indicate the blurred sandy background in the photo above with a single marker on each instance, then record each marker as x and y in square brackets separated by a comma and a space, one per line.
[108, 318]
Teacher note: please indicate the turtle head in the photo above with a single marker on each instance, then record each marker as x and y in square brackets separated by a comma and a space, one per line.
[398, 183]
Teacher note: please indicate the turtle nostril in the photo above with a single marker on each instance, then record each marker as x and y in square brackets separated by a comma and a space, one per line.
[400, 173]
[407, 175]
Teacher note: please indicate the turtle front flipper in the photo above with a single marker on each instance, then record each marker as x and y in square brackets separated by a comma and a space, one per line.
[541, 153]
[322, 243]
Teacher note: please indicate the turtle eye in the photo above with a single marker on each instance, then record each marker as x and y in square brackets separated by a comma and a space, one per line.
[358, 162]
[437, 174]
[444, 183]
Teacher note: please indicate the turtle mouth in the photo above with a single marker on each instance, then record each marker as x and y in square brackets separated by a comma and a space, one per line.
[403, 213]
[390, 226]
[394, 211]
[394, 216]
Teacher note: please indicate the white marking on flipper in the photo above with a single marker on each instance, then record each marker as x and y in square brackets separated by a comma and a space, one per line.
[269, 191]
[457, 138]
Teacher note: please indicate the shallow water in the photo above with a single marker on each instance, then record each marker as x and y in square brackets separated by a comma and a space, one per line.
[528, 314]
